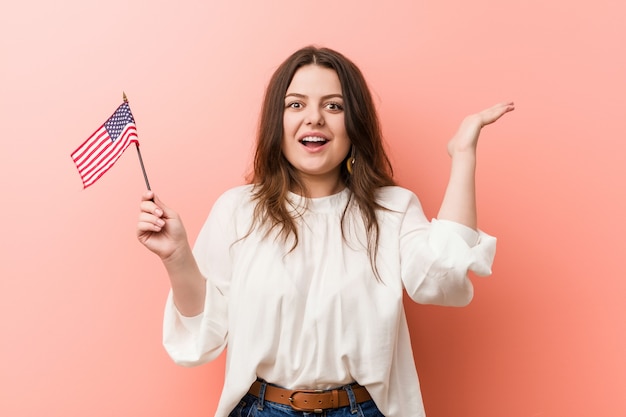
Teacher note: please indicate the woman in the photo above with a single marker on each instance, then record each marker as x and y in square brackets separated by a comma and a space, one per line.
[302, 272]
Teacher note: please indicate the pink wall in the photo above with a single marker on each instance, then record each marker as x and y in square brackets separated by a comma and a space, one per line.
[81, 300]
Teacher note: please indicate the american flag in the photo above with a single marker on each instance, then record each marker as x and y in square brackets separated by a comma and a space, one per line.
[104, 147]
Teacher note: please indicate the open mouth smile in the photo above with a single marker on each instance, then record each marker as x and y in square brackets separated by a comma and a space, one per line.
[313, 141]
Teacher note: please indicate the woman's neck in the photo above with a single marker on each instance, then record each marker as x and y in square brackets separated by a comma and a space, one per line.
[318, 187]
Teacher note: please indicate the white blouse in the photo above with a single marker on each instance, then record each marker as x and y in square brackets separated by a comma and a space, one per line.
[317, 317]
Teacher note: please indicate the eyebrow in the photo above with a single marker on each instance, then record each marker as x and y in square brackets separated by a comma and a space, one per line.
[298, 95]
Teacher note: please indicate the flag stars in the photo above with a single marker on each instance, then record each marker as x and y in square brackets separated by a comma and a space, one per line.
[100, 151]
[115, 125]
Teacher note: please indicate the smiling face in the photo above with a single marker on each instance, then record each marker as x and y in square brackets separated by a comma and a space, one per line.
[315, 141]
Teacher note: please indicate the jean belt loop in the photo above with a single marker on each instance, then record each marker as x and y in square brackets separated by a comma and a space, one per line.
[353, 404]
[261, 395]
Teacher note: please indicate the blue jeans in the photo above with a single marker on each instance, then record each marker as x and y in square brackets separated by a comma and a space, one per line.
[251, 406]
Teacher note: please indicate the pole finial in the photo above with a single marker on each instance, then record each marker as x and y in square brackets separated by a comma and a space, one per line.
[124, 97]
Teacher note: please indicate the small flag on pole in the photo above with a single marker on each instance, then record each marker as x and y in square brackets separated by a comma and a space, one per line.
[104, 147]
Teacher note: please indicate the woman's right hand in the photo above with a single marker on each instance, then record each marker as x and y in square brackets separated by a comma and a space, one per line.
[160, 229]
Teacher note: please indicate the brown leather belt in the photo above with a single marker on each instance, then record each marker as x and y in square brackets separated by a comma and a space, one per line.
[315, 401]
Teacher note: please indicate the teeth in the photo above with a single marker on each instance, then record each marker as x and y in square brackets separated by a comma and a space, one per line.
[313, 139]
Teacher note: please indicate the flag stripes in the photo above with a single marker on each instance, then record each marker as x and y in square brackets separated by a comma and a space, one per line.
[101, 150]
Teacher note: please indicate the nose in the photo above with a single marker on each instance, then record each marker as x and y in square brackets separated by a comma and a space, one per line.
[314, 116]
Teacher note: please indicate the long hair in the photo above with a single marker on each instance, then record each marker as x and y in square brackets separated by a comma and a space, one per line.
[274, 176]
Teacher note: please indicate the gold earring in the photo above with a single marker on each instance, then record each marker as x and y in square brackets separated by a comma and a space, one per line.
[350, 162]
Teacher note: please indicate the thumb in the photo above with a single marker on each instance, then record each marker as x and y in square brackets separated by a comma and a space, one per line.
[168, 213]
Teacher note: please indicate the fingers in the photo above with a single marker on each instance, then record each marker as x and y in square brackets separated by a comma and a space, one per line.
[150, 223]
[148, 195]
[150, 203]
[493, 113]
[151, 216]
[506, 107]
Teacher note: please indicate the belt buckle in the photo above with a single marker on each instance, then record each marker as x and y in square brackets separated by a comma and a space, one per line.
[305, 391]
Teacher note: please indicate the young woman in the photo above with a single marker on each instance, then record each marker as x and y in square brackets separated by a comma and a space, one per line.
[301, 273]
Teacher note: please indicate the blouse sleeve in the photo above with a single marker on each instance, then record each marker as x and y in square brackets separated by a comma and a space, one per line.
[436, 257]
[196, 340]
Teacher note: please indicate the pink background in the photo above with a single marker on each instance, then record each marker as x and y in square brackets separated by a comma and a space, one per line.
[81, 301]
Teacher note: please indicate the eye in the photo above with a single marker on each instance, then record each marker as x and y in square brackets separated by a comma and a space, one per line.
[334, 106]
[294, 105]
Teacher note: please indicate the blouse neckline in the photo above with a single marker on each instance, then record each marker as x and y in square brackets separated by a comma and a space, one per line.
[324, 204]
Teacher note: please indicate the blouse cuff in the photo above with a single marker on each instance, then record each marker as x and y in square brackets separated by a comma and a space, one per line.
[469, 235]
[189, 323]
[478, 247]
[175, 321]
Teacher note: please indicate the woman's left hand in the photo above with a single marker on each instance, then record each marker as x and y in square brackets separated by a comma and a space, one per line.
[466, 137]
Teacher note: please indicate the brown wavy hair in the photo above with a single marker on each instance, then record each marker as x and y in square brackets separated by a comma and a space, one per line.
[274, 176]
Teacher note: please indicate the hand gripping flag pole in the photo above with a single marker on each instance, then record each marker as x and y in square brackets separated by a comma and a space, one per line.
[104, 147]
